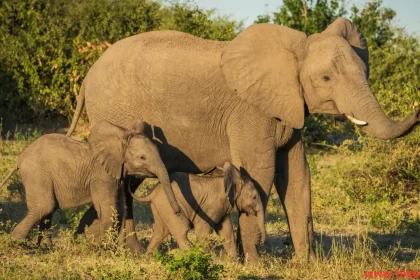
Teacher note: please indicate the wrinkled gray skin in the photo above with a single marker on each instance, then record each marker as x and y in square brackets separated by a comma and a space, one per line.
[59, 172]
[207, 203]
[242, 101]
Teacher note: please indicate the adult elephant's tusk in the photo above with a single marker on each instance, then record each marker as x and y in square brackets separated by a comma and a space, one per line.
[356, 121]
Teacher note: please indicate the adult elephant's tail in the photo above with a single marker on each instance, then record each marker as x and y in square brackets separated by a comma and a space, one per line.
[79, 107]
[9, 175]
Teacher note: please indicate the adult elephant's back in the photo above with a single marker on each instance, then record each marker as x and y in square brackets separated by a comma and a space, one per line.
[169, 79]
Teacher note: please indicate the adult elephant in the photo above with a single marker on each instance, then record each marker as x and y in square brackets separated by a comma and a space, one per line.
[242, 101]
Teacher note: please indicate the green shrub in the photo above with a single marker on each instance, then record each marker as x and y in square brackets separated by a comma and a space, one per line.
[189, 18]
[47, 47]
[71, 217]
[394, 59]
[378, 170]
[192, 264]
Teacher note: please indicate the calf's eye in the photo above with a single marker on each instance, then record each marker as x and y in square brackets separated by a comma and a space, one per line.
[326, 78]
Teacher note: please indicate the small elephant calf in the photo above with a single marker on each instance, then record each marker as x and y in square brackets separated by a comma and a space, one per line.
[60, 172]
[207, 203]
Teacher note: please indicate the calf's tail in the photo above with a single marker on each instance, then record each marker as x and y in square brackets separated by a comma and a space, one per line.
[15, 168]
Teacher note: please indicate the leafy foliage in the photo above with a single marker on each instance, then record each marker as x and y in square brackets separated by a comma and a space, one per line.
[394, 59]
[308, 16]
[191, 19]
[44, 61]
[384, 171]
[192, 264]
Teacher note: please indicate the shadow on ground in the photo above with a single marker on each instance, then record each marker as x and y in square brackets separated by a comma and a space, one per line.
[405, 246]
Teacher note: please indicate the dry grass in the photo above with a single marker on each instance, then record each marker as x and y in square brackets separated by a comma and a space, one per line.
[353, 235]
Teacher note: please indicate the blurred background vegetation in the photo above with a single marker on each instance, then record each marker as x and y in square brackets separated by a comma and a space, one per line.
[48, 46]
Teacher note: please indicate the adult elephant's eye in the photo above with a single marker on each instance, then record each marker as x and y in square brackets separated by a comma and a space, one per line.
[326, 78]
[143, 158]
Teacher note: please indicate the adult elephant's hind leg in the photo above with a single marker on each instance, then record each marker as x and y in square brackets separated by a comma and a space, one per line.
[293, 185]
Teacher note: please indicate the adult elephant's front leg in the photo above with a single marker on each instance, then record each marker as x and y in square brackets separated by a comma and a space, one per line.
[260, 165]
[293, 185]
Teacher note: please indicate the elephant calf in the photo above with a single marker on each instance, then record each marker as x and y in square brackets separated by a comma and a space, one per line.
[207, 203]
[60, 172]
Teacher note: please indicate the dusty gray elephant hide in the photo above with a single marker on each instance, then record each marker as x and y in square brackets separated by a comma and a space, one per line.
[242, 101]
[59, 172]
[207, 202]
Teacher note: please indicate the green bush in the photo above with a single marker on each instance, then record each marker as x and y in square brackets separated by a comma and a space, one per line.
[379, 170]
[394, 59]
[47, 47]
[192, 264]
[191, 19]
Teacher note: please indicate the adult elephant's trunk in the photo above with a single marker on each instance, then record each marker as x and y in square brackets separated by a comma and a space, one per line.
[162, 174]
[366, 111]
[260, 220]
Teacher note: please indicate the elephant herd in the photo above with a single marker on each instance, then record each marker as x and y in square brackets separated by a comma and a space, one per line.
[166, 102]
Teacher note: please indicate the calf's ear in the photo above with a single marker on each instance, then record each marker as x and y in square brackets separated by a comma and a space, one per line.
[231, 176]
[106, 143]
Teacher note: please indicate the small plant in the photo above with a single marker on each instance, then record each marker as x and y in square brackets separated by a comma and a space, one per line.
[110, 241]
[71, 217]
[190, 264]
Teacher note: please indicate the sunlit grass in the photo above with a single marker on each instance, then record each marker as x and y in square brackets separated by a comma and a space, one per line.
[355, 232]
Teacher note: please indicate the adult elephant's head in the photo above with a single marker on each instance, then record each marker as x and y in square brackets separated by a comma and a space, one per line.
[129, 152]
[278, 70]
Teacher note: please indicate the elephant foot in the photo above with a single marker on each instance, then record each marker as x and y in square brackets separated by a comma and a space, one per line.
[94, 229]
[299, 259]
[312, 257]
[136, 248]
[131, 240]
[252, 257]
[249, 252]
[45, 242]
[230, 258]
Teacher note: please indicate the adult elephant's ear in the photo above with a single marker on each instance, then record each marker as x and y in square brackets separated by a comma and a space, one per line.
[106, 143]
[261, 65]
[346, 29]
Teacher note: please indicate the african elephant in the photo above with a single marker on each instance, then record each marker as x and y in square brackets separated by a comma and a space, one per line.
[59, 172]
[207, 202]
[242, 101]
